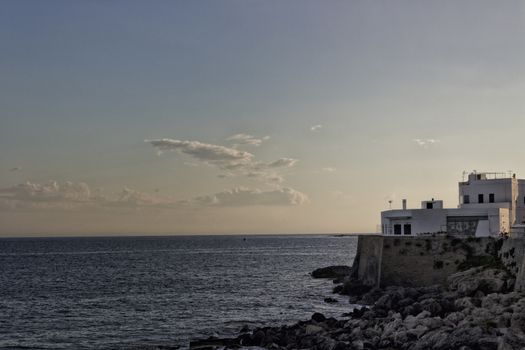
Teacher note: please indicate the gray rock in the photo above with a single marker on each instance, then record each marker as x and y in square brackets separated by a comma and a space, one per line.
[476, 279]
[332, 271]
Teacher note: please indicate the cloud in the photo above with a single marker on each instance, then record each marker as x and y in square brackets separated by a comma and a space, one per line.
[246, 139]
[15, 169]
[69, 196]
[241, 196]
[224, 157]
[73, 195]
[268, 177]
[231, 160]
[316, 127]
[49, 192]
[425, 143]
[329, 169]
[283, 162]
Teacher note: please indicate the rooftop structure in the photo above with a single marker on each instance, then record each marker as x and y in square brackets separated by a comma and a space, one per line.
[489, 204]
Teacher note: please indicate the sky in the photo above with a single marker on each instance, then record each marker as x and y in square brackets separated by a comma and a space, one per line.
[214, 117]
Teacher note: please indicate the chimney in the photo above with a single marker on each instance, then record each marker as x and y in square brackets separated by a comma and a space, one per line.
[404, 204]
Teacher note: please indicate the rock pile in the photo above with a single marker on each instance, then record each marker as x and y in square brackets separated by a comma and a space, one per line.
[476, 311]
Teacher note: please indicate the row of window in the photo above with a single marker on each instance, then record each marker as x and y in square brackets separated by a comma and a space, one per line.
[481, 198]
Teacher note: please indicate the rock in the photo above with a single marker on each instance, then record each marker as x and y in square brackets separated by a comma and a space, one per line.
[464, 303]
[468, 282]
[417, 332]
[517, 321]
[244, 329]
[338, 289]
[353, 287]
[332, 271]
[318, 317]
[432, 306]
[341, 346]
[511, 341]
[258, 337]
[313, 329]
[330, 300]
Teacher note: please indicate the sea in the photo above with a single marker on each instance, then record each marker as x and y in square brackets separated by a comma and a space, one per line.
[153, 292]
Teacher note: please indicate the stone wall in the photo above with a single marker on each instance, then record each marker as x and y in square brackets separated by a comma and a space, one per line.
[520, 278]
[512, 254]
[368, 259]
[423, 261]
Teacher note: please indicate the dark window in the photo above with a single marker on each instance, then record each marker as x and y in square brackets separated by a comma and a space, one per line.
[491, 198]
[407, 229]
[480, 198]
[466, 199]
[430, 205]
[523, 200]
[397, 229]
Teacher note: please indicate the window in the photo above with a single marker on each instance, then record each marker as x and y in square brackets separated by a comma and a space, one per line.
[397, 229]
[466, 199]
[491, 198]
[430, 205]
[480, 198]
[407, 229]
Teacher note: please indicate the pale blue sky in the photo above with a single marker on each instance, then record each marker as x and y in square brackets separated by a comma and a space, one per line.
[84, 83]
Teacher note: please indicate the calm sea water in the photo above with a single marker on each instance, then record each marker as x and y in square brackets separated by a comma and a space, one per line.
[132, 292]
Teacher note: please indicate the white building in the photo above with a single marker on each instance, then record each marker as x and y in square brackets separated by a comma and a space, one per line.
[489, 204]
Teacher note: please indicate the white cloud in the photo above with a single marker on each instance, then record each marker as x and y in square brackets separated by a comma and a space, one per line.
[425, 143]
[69, 196]
[268, 177]
[329, 170]
[316, 127]
[232, 160]
[246, 139]
[224, 157]
[283, 162]
[248, 197]
[73, 195]
[49, 192]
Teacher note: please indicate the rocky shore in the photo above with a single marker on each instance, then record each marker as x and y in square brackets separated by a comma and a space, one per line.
[476, 310]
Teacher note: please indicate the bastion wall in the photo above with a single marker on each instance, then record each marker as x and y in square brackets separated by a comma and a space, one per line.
[423, 261]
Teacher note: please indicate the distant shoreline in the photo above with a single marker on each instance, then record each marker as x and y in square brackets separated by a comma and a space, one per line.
[246, 235]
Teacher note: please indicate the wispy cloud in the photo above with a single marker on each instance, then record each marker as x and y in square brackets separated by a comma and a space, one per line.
[316, 127]
[224, 157]
[329, 170]
[283, 162]
[235, 162]
[71, 196]
[201, 151]
[49, 192]
[246, 139]
[15, 169]
[425, 143]
[249, 197]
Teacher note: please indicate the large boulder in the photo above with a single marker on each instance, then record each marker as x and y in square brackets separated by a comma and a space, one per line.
[478, 279]
[336, 271]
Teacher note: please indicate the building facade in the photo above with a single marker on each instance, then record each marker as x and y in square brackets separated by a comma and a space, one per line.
[489, 204]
